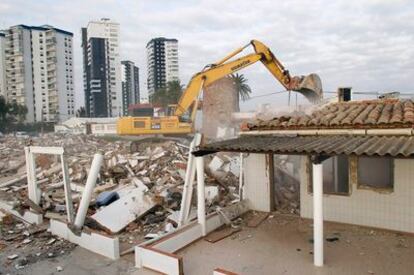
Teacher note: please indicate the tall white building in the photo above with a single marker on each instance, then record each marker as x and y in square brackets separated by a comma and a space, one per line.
[39, 71]
[3, 65]
[162, 63]
[102, 69]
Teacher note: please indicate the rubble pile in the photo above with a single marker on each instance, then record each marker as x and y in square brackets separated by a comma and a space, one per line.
[23, 244]
[287, 183]
[143, 188]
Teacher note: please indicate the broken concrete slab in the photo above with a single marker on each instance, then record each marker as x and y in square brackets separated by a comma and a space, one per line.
[126, 209]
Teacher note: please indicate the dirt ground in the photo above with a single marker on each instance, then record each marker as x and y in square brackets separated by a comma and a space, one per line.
[282, 244]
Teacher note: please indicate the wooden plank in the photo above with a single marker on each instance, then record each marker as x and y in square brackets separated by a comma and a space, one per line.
[220, 271]
[257, 219]
[221, 233]
[161, 261]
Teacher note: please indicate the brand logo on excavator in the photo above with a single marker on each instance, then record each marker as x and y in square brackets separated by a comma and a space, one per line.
[241, 65]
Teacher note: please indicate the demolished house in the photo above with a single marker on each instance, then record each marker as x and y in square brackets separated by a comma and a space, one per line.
[95, 193]
[347, 162]
[356, 164]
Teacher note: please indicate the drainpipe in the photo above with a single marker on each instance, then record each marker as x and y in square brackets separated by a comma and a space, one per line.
[317, 214]
[201, 204]
[87, 193]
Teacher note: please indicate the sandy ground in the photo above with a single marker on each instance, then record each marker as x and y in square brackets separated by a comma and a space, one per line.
[280, 245]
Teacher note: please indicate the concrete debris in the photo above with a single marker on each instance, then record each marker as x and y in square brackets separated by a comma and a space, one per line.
[12, 257]
[137, 194]
[287, 183]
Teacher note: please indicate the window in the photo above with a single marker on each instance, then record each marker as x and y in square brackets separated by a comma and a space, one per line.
[335, 176]
[375, 173]
[139, 124]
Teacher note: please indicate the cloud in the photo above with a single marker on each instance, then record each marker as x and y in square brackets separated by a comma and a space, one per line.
[365, 44]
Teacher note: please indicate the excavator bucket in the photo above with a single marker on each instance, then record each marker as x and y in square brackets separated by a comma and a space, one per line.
[311, 87]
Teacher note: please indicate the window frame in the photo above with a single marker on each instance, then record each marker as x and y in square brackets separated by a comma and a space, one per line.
[309, 174]
[361, 186]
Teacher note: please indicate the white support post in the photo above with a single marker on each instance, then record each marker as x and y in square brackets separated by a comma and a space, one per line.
[241, 178]
[67, 189]
[317, 214]
[201, 203]
[33, 191]
[189, 182]
[87, 193]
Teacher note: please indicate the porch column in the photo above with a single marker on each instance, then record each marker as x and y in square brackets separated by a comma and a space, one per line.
[317, 214]
[201, 203]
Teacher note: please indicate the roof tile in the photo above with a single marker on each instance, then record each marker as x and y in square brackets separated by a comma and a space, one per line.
[388, 113]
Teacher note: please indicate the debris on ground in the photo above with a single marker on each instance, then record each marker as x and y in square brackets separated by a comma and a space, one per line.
[24, 244]
[287, 183]
[137, 195]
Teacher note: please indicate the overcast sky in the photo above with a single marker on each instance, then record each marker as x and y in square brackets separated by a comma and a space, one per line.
[366, 44]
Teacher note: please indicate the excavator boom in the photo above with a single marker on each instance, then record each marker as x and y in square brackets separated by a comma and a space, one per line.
[310, 86]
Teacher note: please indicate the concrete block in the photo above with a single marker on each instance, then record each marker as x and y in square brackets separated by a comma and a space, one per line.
[160, 261]
[28, 216]
[97, 243]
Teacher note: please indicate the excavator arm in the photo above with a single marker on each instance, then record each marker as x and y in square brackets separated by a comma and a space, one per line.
[310, 86]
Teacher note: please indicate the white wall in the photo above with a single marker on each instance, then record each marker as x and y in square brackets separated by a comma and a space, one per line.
[65, 73]
[392, 211]
[258, 182]
[28, 79]
[171, 61]
[3, 67]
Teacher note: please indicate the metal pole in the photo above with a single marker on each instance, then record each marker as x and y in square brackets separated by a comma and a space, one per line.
[317, 214]
[201, 204]
[87, 193]
[241, 178]
[68, 190]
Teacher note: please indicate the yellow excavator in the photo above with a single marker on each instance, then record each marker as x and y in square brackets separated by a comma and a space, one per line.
[179, 119]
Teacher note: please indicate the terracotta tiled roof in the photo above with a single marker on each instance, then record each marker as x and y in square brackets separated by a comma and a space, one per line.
[331, 145]
[390, 113]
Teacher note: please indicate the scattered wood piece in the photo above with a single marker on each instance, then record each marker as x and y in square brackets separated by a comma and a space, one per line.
[257, 219]
[221, 233]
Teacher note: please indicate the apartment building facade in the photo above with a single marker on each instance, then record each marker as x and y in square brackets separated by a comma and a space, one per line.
[39, 71]
[3, 65]
[130, 85]
[102, 69]
[162, 63]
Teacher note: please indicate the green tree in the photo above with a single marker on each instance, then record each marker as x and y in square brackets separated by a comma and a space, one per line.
[21, 112]
[81, 112]
[167, 95]
[243, 89]
[4, 108]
